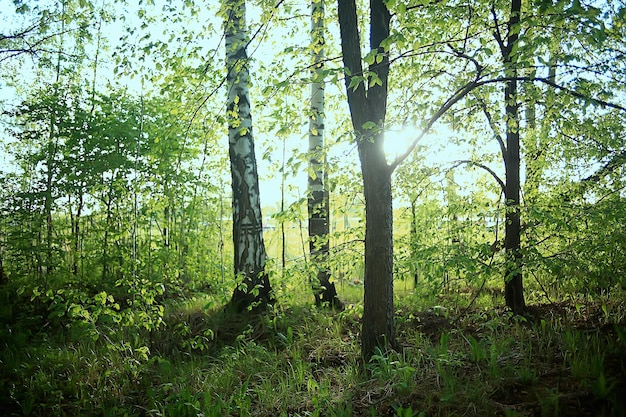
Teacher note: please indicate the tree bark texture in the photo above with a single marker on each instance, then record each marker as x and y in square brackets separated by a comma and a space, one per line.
[254, 291]
[318, 196]
[368, 107]
[378, 308]
[414, 242]
[513, 290]
[4, 279]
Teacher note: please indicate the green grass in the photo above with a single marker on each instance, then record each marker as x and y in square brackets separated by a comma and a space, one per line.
[297, 360]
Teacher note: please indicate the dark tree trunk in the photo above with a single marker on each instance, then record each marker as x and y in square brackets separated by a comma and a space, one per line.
[107, 228]
[513, 289]
[4, 279]
[368, 106]
[48, 201]
[76, 232]
[378, 308]
[414, 241]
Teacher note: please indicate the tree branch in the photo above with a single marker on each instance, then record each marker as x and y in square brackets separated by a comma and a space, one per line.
[574, 93]
[456, 97]
[496, 31]
[493, 126]
[485, 167]
[615, 162]
[351, 51]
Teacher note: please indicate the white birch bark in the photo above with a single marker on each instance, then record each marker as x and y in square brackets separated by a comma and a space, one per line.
[318, 200]
[249, 248]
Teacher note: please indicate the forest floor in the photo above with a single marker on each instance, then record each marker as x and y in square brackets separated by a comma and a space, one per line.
[566, 358]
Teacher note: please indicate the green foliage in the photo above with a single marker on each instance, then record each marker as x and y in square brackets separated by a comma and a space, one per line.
[115, 224]
[297, 359]
[386, 367]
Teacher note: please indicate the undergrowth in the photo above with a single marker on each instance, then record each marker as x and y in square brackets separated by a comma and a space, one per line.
[192, 359]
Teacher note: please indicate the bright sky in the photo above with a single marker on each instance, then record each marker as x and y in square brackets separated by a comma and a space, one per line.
[270, 183]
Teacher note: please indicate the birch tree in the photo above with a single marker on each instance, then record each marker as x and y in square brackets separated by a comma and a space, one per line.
[253, 290]
[318, 196]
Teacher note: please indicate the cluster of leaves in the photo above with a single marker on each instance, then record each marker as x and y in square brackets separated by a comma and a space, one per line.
[110, 176]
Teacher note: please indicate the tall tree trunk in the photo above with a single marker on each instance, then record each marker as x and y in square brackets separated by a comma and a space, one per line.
[76, 231]
[52, 148]
[318, 199]
[107, 229]
[49, 198]
[368, 107]
[165, 233]
[4, 278]
[283, 235]
[513, 290]
[254, 292]
[378, 308]
[82, 185]
[413, 241]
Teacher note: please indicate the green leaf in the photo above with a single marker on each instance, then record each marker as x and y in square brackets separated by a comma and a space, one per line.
[369, 126]
[370, 58]
[355, 82]
[101, 298]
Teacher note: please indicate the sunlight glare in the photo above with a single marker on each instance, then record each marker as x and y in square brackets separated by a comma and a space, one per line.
[397, 141]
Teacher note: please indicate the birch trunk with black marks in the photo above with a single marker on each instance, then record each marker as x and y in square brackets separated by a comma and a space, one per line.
[253, 291]
[318, 196]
